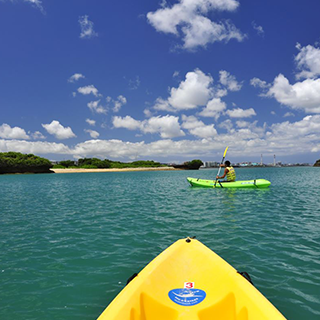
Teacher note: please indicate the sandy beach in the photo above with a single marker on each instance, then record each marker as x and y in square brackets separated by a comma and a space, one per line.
[112, 170]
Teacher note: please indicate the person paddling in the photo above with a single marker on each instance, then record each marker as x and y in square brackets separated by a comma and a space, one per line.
[228, 171]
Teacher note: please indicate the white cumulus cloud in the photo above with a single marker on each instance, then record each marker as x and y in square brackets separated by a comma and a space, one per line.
[91, 89]
[58, 130]
[167, 126]
[303, 95]
[308, 61]
[206, 131]
[164, 105]
[35, 147]
[189, 19]
[119, 102]
[194, 91]
[285, 138]
[198, 128]
[288, 114]
[87, 31]
[258, 83]
[93, 134]
[37, 135]
[91, 122]
[176, 74]
[191, 122]
[76, 77]
[308, 127]
[37, 4]
[7, 132]
[95, 106]
[253, 127]
[126, 122]
[229, 81]
[198, 90]
[226, 124]
[214, 108]
[258, 28]
[241, 113]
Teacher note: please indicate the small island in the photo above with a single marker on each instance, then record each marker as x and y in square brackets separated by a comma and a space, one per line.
[317, 164]
[15, 162]
[189, 165]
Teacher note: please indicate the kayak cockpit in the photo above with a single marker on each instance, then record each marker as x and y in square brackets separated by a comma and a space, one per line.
[151, 309]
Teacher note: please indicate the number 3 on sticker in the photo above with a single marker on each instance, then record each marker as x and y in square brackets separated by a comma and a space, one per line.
[189, 285]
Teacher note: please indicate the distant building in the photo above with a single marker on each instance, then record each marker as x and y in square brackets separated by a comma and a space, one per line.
[211, 164]
[245, 164]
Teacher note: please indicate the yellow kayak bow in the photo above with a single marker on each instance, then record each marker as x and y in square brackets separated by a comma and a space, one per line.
[188, 281]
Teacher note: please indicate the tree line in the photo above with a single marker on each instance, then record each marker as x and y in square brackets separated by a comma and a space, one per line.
[95, 163]
[15, 162]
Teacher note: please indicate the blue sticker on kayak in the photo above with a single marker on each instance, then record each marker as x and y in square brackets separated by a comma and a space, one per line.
[187, 297]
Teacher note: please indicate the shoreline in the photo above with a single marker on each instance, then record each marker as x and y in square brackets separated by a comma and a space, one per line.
[113, 170]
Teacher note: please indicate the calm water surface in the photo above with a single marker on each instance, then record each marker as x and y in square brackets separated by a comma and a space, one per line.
[69, 242]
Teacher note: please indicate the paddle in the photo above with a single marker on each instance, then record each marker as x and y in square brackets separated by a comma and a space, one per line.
[224, 155]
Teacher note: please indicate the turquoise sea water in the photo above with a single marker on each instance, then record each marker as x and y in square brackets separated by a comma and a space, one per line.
[69, 242]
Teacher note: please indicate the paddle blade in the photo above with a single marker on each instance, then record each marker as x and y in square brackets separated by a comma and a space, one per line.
[225, 152]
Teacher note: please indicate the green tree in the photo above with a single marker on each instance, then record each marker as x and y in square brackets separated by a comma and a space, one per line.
[94, 163]
[194, 164]
[15, 162]
[67, 163]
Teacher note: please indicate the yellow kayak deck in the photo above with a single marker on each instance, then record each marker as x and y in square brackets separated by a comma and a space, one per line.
[188, 281]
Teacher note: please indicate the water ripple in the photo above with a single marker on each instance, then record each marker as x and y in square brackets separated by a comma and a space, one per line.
[69, 242]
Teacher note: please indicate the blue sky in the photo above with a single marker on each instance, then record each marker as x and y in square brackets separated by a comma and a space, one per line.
[162, 80]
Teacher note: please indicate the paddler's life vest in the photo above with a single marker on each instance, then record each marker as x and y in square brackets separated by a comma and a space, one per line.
[231, 175]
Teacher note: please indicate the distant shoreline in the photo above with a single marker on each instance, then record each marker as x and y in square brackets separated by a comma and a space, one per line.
[258, 167]
[113, 170]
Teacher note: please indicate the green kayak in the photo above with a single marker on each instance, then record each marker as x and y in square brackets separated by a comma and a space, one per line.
[258, 183]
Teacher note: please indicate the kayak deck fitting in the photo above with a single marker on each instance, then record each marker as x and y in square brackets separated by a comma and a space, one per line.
[258, 183]
[188, 281]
